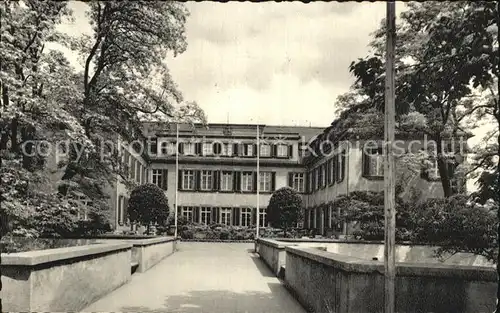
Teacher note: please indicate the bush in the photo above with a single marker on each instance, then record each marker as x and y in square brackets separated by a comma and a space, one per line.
[285, 208]
[224, 234]
[148, 205]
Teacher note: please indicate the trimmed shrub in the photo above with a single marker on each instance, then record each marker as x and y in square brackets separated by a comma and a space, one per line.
[148, 205]
[285, 208]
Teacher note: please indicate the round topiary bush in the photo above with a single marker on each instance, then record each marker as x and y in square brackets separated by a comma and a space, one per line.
[148, 205]
[285, 208]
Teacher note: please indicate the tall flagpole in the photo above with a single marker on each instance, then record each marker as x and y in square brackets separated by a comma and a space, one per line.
[389, 167]
[258, 182]
[176, 174]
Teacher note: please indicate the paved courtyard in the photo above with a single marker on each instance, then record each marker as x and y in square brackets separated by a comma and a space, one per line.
[203, 277]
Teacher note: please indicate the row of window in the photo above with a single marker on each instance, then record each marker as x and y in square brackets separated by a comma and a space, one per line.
[133, 168]
[228, 181]
[373, 166]
[222, 149]
[223, 215]
[328, 173]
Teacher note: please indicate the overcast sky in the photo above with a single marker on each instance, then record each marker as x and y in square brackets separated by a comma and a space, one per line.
[271, 63]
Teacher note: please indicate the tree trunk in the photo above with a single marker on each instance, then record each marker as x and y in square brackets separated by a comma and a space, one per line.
[443, 169]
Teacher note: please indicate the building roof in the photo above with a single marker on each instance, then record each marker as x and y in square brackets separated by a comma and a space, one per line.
[222, 129]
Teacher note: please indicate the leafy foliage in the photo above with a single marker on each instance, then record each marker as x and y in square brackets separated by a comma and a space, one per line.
[455, 224]
[148, 204]
[124, 81]
[285, 208]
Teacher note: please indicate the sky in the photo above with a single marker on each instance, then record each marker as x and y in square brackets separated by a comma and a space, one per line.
[270, 63]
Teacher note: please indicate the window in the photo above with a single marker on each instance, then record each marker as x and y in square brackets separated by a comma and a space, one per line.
[262, 217]
[341, 158]
[167, 148]
[153, 146]
[246, 217]
[227, 149]
[323, 175]
[332, 171]
[317, 177]
[265, 181]
[282, 151]
[297, 182]
[247, 181]
[131, 172]
[373, 162]
[188, 180]
[138, 171]
[205, 215]
[189, 148]
[120, 210]
[225, 216]
[265, 150]
[159, 178]
[206, 180]
[188, 213]
[83, 203]
[310, 181]
[226, 181]
[208, 148]
[248, 150]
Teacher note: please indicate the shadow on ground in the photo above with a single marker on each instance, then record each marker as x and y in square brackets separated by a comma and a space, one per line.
[226, 301]
[261, 266]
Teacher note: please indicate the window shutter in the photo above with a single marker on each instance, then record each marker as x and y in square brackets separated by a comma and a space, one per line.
[125, 211]
[313, 180]
[306, 181]
[328, 164]
[274, 151]
[235, 149]
[217, 148]
[153, 148]
[196, 214]
[216, 180]
[237, 181]
[197, 148]
[179, 179]
[236, 216]
[213, 216]
[366, 164]
[290, 179]
[255, 180]
[245, 149]
[273, 181]
[290, 151]
[197, 180]
[164, 177]
[343, 166]
[336, 167]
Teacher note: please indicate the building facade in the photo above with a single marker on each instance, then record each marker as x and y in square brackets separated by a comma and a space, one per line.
[217, 171]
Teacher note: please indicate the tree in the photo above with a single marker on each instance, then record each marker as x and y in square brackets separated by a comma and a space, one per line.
[436, 105]
[285, 208]
[148, 205]
[124, 82]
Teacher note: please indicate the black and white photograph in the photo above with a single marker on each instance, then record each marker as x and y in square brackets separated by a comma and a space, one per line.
[249, 156]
